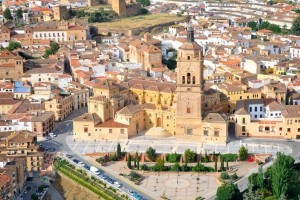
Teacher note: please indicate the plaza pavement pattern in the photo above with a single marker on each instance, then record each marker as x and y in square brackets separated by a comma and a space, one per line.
[172, 145]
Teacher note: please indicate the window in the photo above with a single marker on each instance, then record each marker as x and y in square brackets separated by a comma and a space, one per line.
[188, 57]
[194, 80]
[89, 134]
[183, 79]
[110, 130]
[188, 110]
[189, 131]
[255, 109]
[188, 81]
[261, 108]
[267, 128]
[122, 131]
[260, 116]
[250, 109]
[244, 120]
[255, 116]
[205, 132]
[280, 129]
[243, 128]
[298, 129]
[288, 129]
[86, 129]
[50, 106]
[216, 133]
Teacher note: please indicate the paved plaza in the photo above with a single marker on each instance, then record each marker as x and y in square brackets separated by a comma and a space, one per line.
[172, 145]
[180, 186]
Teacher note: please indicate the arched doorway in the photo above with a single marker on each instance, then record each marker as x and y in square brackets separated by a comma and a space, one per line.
[158, 122]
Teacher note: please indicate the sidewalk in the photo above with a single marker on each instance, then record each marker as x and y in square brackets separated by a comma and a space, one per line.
[149, 194]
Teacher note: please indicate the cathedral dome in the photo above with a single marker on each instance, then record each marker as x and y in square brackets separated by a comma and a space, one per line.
[190, 46]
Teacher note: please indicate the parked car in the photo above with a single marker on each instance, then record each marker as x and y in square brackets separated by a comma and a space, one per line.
[69, 156]
[76, 161]
[94, 170]
[117, 184]
[81, 164]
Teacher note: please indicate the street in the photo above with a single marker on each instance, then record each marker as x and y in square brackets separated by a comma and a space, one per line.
[65, 143]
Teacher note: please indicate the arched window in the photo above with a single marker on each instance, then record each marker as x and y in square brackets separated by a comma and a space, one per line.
[188, 108]
[188, 81]
[194, 80]
[183, 79]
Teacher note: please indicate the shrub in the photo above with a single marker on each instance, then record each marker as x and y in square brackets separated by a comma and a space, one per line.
[151, 153]
[173, 157]
[190, 156]
[184, 168]
[144, 167]
[234, 176]
[175, 167]
[243, 153]
[134, 176]
[224, 176]
[159, 166]
[229, 157]
[198, 168]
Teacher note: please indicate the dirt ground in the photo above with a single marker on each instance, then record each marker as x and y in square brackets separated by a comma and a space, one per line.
[71, 190]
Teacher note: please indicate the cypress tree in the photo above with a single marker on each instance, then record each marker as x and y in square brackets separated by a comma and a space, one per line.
[129, 161]
[138, 161]
[222, 164]
[216, 165]
[135, 158]
[119, 153]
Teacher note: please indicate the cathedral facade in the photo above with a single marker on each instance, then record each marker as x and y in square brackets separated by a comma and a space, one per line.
[161, 109]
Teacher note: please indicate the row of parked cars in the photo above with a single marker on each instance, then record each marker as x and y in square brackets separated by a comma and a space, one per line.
[99, 173]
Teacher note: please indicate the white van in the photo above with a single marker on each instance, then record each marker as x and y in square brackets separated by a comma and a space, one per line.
[94, 170]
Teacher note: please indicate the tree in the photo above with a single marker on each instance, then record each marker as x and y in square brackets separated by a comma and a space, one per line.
[222, 164]
[13, 45]
[99, 16]
[295, 29]
[129, 161]
[136, 157]
[252, 25]
[173, 157]
[34, 197]
[19, 14]
[199, 168]
[260, 178]
[144, 2]
[228, 191]
[175, 167]
[119, 153]
[7, 14]
[81, 13]
[243, 153]
[190, 156]
[138, 162]
[214, 156]
[216, 165]
[282, 174]
[151, 153]
[160, 165]
[52, 50]
[144, 11]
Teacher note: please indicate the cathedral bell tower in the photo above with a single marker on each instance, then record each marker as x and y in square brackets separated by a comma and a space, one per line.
[189, 87]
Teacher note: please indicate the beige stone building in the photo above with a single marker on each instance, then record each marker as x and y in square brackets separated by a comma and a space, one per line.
[267, 118]
[21, 144]
[60, 104]
[163, 109]
[11, 65]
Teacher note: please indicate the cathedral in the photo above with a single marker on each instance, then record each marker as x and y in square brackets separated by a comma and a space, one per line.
[185, 110]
